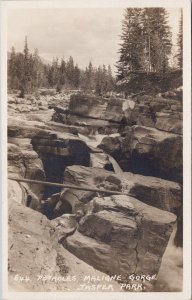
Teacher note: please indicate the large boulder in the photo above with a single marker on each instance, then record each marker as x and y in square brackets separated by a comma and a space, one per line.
[163, 194]
[111, 145]
[46, 141]
[65, 224]
[154, 152]
[37, 262]
[147, 151]
[92, 177]
[121, 235]
[170, 125]
[96, 107]
[61, 145]
[23, 162]
[157, 112]
[35, 150]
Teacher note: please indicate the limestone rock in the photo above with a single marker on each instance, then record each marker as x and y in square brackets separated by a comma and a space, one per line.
[148, 109]
[163, 194]
[45, 141]
[66, 225]
[100, 160]
[170, 125]
[23, 161]
[34, 252]
[157, 150]
[73, 201]
[15, 192]
[124, 236]
[96, 107]
[111, 145]
[95, 253]
[93, 177]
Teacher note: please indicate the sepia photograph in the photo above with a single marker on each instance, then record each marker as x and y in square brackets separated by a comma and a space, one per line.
[94, 101]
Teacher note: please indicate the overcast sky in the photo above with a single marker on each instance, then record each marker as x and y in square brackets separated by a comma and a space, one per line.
[84, 33]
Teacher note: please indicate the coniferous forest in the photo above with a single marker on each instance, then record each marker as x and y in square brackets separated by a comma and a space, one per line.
[27, 72]
[145, 48]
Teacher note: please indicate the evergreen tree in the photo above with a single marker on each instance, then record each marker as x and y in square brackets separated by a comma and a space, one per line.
[37, 70]
[110, 79]
[25, 71]
[88, 77]
[76, 79]
[131, 47]
[49, 72]
[157, 39]
[62, 72]
[70, 70]
[180, 42]
[98, 81]
[13, 81]
[91, 76]
[146, 41]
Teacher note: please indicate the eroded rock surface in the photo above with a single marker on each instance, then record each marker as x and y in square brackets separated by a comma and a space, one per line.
[158, 112]
[161, 151]
[147, 151]
[163, 194]
[115, 234]
[96, 107]
[35, 253]
[120, 234]
[24, 162]
[36, 152]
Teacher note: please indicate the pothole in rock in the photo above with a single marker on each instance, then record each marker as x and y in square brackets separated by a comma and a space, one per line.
[54, 168]
[56, 154]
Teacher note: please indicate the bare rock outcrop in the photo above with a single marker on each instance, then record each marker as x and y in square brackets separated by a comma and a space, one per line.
[36, 258]
[121, 235]
[118, 234]
[24, 162]
[163, 194]
[36, 152]
[160, 151]
[147, 151]
[96, 107]
[157, 112]
[46, 141]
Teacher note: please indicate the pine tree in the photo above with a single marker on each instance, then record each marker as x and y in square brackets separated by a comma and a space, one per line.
[131, 46]
[26, 50]
[37, 70]
[180, 42]
[91, 76]
[88, 77]
[12, 70]
[98, 81]
[70, 70]
[76, 78]
[110, 79]
[157, 39]
[62, 72]
[25, 71]
[146, 42]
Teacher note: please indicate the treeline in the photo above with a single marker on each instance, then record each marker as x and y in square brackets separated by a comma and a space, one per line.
[146, 48]
[146, 42]
[27, 73]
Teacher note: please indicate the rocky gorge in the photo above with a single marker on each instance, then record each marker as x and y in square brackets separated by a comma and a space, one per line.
[131, 148]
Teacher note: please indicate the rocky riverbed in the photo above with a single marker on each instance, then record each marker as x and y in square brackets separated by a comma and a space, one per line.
[130, 146]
